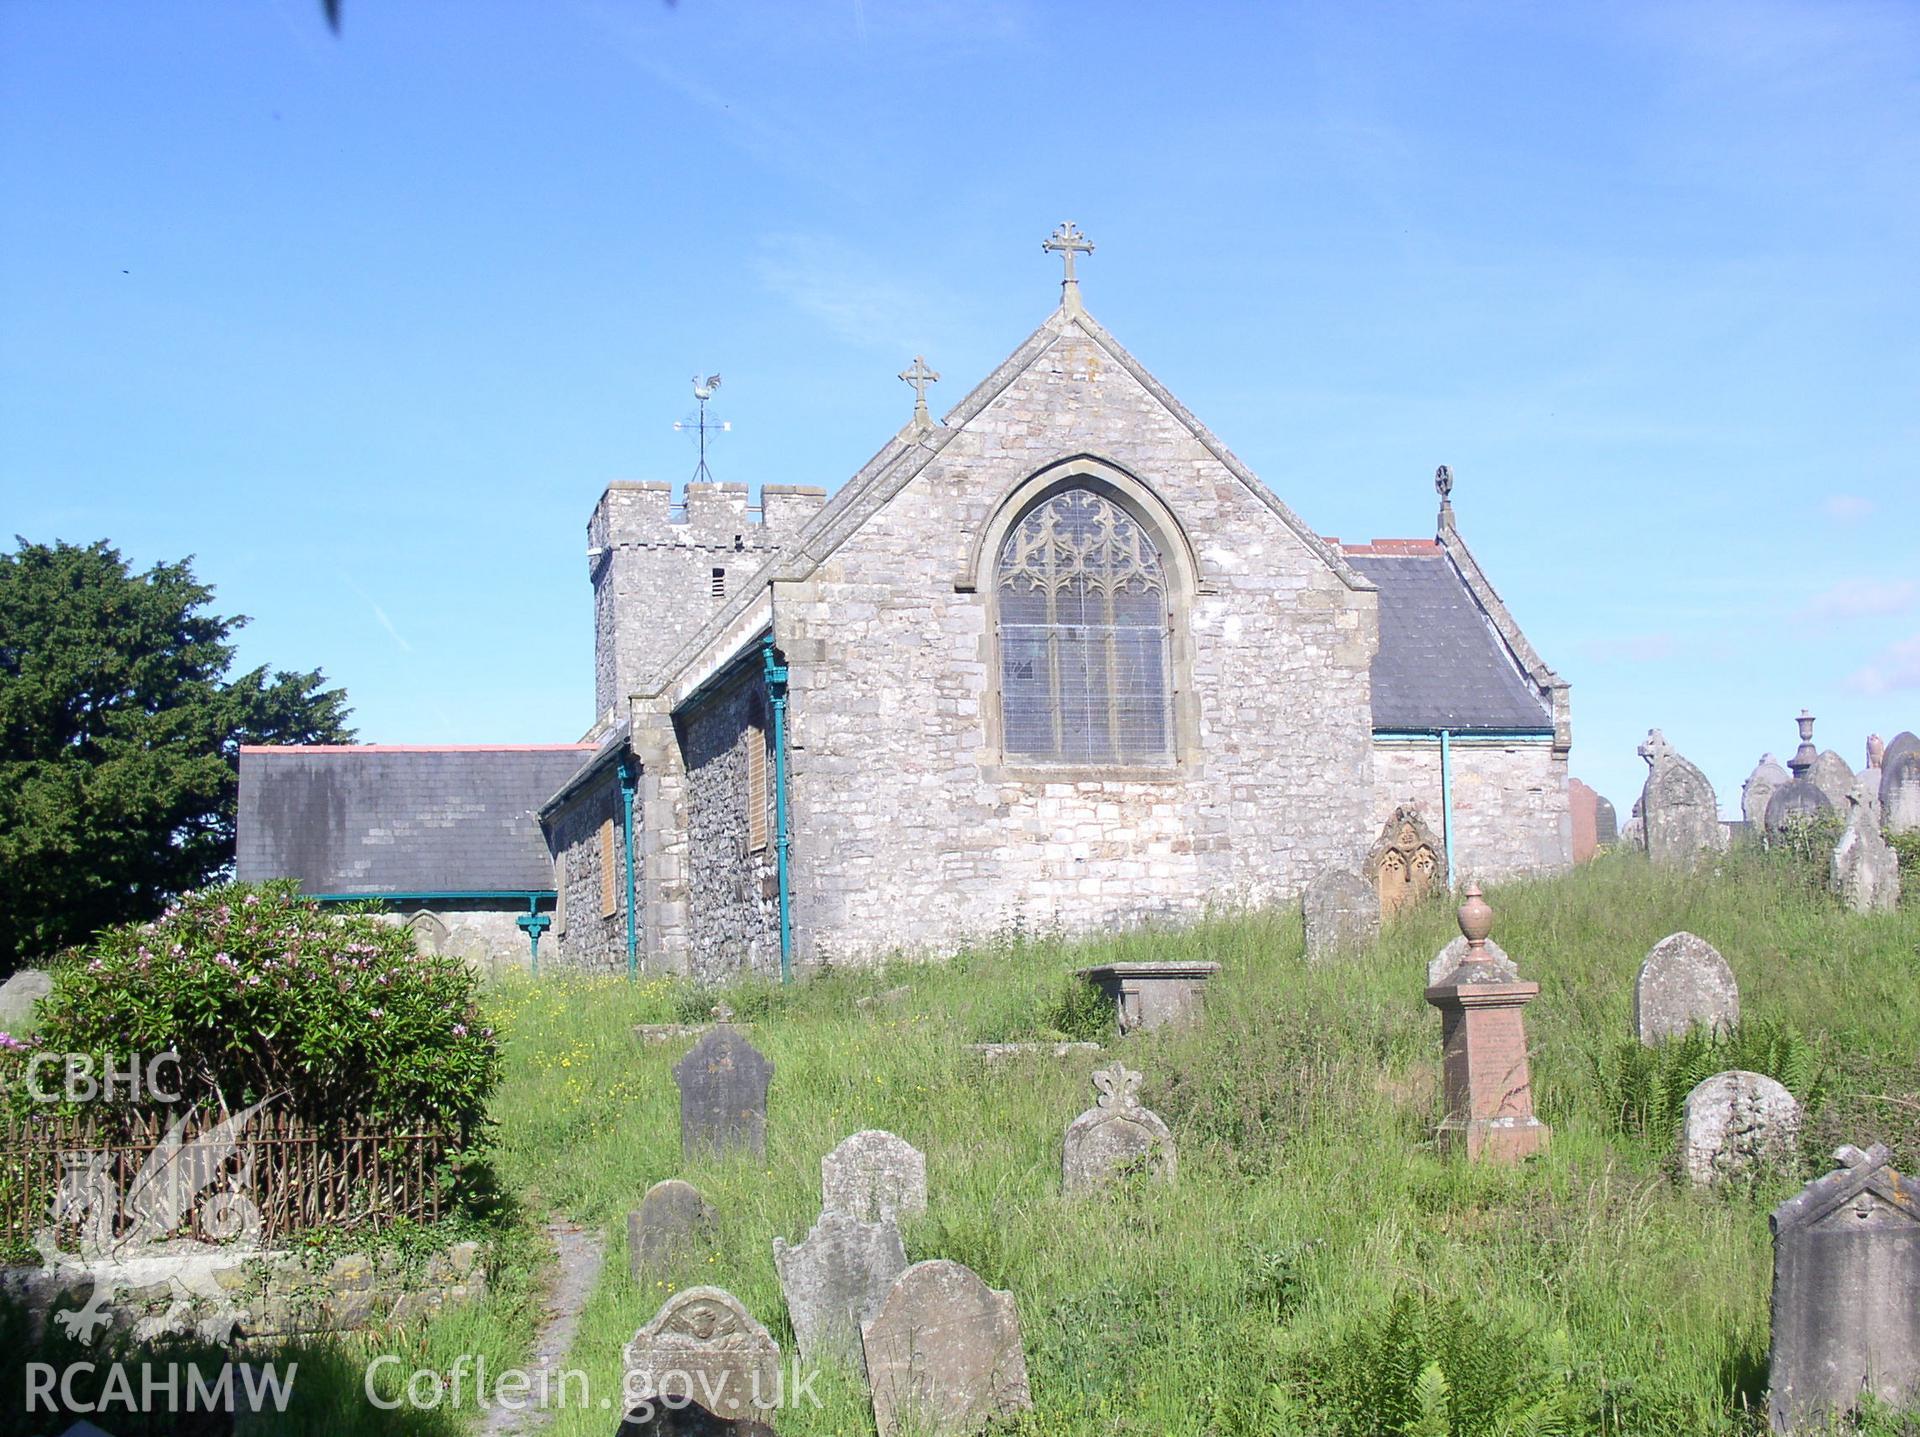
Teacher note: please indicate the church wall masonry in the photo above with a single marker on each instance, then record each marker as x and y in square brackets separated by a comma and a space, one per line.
[588, 937]
[1510, 808]
[733, 894]
[909, 834]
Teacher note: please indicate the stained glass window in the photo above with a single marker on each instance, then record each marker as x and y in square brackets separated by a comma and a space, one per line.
[1084, 638]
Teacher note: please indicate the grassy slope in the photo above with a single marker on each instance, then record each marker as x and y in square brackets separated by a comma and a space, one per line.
[1308, 1195]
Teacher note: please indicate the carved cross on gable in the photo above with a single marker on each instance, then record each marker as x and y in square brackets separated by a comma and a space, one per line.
[1067, 241]
[919, 376]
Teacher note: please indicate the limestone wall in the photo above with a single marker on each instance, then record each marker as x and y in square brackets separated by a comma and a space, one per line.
[1510, 807]
[908, 833]
[485, 934]
[584, 935]
[733, 894]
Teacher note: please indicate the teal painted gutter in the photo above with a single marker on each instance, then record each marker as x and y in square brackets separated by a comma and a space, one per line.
[629, 778]
[530, 894]
[776, 674]
[1470, 735]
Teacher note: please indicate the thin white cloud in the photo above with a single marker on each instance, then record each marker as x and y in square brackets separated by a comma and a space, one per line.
[380, 616]
[1894, 668]
[1847, 508]
[1862, 599]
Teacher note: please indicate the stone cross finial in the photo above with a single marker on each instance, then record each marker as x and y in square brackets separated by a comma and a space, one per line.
[1443, 486]
[1067, 241]
[1118, 1086]
[919, 376]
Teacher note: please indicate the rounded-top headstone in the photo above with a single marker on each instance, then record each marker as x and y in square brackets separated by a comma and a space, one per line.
[703, 1346]
[1113, 1136]
[1339, 912]
[944, 1354]
[1833, 776]
[1737, 1124]
[1768, 776]
[874, 1175]
[1683, 983]
[672, 1222]
[1680, 815]
[1900, 785]
[1802, 798]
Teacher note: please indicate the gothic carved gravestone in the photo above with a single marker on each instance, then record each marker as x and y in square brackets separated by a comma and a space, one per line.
[723, 1096]
[1846, 1293]
[1683, 983]
[1677, 806]
[1768, 776]
[834, 1281]
[1404, 861]
[1865, 870]
[1735, 1125]
[1900, 785]
[1340, 912]
[673, 1223]
[944, 1355]
[874, 1175]
[704, 1347]
[1116, 1135]
[1833, 776]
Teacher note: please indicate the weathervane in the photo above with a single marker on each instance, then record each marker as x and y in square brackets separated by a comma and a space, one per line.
[1067, 241]
[919, 376]
[701, 425]
[1443, 486]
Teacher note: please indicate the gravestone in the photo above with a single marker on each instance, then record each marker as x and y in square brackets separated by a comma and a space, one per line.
[1606, 822]
[1833, 776]
[1405, 862]
[1115, 1135]
[723, 1096]
[704, 1347]
[1583, 806]
[874, 1175]
[1633, 833]
[674, 1223]
[1798, 799]
[1734, 1125]
[1768, 776]
[1680, 815]
[1455, 953]
[1846, 1293]
[1340, 911]
[1153, 995]
[1900, 785]
[944, 1355]
[1865, 871]
[834, 1281]
[19, 994]
[1683, 983]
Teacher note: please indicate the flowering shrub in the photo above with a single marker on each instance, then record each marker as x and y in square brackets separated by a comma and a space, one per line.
[261, 992]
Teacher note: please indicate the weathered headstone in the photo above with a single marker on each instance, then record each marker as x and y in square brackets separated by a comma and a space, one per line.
[723, 1095]
[1846, 1293]
[1768, 775]
[1833, 776]
[1797, 799]
[944, 1355]
[1683, 983]
[19, 994]
[1606, 822]
[1583, 807]
[874, 1175]
[1405, 862]
[1900, 785]
[1736, 1124]
[1633, 833]
[1340, 911]
[673, 1223]
[704, 1347]
[835, 1280]
[1865, 870]
[1114, 1136]
[1677, 806]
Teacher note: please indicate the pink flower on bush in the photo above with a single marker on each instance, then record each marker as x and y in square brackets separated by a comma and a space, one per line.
[376, 1012]
[459, 1030]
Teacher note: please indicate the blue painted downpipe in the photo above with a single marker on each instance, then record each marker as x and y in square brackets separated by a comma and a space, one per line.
[629, 778]
[1446, 737]
[1446, 800]
[776, 673]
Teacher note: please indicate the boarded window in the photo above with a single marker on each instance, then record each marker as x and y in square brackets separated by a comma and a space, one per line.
[1082, 620]
[719, 581]
[756, 741]
[609, 873]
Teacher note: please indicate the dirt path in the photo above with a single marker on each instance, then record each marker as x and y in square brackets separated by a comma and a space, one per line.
[581, 1253]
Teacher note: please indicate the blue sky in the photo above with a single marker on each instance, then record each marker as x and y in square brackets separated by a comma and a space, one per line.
[366, 322]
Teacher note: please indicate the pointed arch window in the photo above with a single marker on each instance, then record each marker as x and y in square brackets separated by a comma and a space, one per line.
[1083, 623]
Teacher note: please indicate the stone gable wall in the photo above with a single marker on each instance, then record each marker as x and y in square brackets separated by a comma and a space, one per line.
[1510, 808]
[905, 839]
[589, 941]
[733, 906]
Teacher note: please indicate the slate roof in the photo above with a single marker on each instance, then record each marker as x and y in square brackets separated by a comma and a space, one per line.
[379, 819]
[1440, 664]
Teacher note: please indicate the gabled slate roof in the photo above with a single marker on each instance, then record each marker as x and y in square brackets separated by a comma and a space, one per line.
[1441, 662]
[387, 819]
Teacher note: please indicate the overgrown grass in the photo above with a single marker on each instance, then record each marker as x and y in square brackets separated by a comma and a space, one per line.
[1318, 1267]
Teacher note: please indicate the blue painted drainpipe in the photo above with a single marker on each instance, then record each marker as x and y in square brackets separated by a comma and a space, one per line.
[776, 674]
[1446, 800]
[629, 778]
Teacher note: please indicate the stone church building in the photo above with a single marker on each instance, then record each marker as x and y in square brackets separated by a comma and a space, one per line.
[1057, 659]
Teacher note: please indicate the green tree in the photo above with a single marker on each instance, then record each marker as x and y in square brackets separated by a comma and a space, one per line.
[119, 739]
